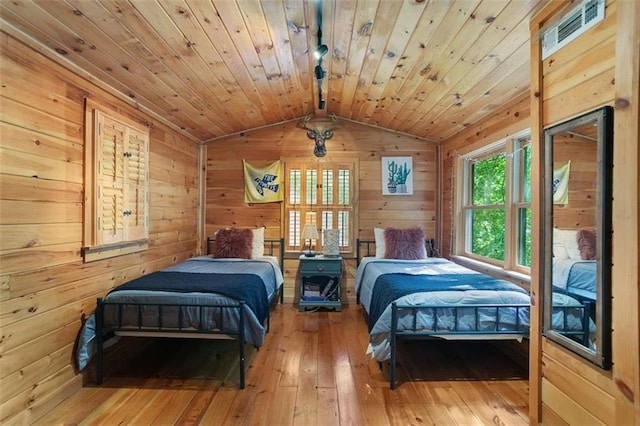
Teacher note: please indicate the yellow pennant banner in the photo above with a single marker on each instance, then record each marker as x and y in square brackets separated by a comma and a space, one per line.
[262, 184]
[561, 184]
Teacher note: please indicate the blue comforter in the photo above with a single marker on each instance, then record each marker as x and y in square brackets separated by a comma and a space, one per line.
[196, 281]
[248, 288]
[389, 287]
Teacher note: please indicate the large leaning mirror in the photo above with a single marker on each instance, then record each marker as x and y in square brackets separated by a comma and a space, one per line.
[577, 234]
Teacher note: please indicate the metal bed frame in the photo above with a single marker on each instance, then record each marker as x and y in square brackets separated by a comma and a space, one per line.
[415, 332]
[159, 330]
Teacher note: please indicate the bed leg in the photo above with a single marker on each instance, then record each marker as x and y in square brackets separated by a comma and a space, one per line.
[242, 344]
[392, 372]
[586, 316]
[99, 354]
[394, 326]
[242, 378]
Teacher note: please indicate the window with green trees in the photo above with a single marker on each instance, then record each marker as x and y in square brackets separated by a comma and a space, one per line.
[496, 207]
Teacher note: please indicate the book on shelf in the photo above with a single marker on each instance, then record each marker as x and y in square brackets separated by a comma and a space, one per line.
[314, 298]
[311, 290]
[328, 289]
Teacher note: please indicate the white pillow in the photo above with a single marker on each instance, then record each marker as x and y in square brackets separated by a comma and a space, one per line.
[379, 238]
[257, 245]
[565, 244]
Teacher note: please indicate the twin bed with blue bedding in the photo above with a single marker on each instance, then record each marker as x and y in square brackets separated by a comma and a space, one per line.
[202, 297]
[437, 298]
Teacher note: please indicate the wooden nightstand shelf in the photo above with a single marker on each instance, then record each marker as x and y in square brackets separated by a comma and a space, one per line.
[320, 279]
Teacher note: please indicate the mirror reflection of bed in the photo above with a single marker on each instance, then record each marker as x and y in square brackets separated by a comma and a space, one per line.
[577, 230]
[574, 220]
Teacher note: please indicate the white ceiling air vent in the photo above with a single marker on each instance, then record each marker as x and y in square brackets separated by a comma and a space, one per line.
[579, 20]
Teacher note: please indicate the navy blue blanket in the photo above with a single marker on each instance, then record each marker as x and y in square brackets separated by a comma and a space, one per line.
[389, 287]
[245, 287]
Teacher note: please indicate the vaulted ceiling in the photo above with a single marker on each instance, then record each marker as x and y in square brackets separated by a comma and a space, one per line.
[217, 67]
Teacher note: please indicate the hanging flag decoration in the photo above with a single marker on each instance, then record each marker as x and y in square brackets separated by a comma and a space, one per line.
[561, 184]
[262, 185]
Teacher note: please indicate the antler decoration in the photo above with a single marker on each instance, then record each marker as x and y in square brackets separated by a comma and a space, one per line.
[319, 130]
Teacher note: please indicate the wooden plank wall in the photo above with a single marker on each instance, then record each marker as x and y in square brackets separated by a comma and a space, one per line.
[579, 78]
[45, 288]
[626, 216]
[366, 145]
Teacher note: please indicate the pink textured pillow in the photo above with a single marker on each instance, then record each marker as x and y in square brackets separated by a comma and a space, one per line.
[234, 243]
[404, 243]
[587, 244]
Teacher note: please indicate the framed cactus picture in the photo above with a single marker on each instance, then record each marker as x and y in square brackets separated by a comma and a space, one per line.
[397, 176]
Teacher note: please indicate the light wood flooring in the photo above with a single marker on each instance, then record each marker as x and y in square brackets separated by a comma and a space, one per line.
[312, 370]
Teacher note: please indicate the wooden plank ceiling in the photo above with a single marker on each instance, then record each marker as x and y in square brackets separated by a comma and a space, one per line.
[217, 67]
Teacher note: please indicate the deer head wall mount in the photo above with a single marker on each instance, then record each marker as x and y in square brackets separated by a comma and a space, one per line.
[319, 129]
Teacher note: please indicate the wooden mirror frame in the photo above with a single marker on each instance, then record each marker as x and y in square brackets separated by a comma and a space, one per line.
[603, 117]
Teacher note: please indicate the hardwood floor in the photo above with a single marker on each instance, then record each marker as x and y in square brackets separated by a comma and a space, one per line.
[312, 370]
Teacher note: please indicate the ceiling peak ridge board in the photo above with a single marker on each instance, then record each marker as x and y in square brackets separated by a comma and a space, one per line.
[49, 53]
[386, 129]
[252, 129]
[297, 119]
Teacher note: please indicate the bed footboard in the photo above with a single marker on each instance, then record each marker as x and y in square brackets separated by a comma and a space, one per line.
[141, 326]
[505, 321]
[504, 324]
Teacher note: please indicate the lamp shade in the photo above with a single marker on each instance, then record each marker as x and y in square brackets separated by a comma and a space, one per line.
[310, 232]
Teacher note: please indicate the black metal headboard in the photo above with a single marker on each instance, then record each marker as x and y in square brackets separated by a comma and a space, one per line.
[272, 247]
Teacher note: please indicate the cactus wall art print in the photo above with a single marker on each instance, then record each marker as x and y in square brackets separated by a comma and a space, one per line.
[397, 176]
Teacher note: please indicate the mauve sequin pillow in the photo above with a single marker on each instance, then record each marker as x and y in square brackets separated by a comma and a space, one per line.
[407, 244]
[233, 243]
[587, 244]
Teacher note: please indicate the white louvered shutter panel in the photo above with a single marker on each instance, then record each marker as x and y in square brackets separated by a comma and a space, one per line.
[110, 174]
[136, 185]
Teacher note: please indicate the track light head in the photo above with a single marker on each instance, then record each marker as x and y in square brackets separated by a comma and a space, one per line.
[319, 72]
[320, 51]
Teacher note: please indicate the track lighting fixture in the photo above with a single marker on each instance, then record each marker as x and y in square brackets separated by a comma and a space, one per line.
[320, 51]
[319, 72]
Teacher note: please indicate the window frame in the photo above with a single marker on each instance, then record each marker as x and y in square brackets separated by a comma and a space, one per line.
[93, 248]
[315, 208]
[514, 202]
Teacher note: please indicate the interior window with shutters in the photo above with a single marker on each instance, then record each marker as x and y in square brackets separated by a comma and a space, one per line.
[321, 194]
[117, 186]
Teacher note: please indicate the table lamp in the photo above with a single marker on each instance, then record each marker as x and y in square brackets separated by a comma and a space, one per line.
[310, 232]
